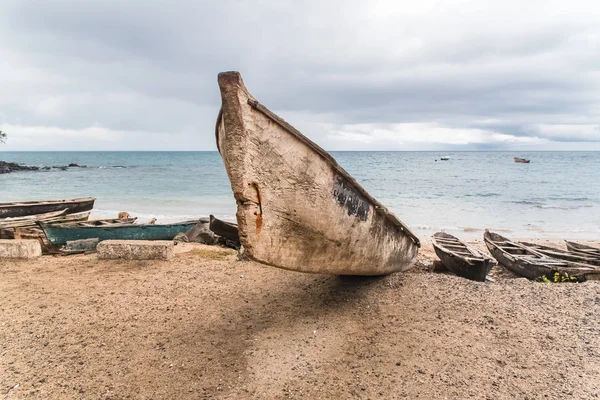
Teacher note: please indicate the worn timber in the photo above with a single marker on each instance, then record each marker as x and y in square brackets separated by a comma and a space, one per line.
[569, 255]
[583, 249]
[24, 208]
[297, 207]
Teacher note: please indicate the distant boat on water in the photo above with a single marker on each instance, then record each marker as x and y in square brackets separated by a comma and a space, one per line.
[522, 160]
[445, 158]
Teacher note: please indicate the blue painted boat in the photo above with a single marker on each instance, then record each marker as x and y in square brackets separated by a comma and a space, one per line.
[59, 234]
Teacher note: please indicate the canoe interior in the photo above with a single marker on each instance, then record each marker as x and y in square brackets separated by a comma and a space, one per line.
[460, 258]
[575, 256]
[97, 222]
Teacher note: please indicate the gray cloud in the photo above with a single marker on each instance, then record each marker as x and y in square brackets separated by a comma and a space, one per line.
[351, 74]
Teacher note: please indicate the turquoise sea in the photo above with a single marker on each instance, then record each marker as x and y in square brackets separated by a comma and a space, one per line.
[556, 195]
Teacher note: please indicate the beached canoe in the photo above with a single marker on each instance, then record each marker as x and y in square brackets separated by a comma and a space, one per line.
[59, 234]
[296, 207]
[24, 208]
[582, 248]
[521, 160]
[532, 264]
[225, 229]
[565, 254]
[460, 258]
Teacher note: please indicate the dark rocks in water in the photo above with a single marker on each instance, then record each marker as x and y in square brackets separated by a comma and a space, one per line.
[6, 167]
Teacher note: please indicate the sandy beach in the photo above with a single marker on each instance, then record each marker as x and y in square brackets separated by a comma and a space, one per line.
[206, 325]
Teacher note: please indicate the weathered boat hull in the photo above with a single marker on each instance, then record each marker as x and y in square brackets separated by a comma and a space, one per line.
[460, 258]
[296, 207]
[224, 229]
[521, 160]
[532, 264]
[59, 234]
[21, 209]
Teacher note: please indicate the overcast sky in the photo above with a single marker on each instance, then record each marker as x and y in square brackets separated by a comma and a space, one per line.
[351, 75]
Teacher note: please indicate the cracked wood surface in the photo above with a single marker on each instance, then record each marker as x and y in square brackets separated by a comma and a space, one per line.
[297, 208]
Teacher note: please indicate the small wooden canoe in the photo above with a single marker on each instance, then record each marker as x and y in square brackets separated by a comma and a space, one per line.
[521, 160]
[460, 258]
[21, 209]
[30, 220]
[532, 264]
[582, 248]
[118, 229]
[297, 208]
[225, 229]
[565, 254]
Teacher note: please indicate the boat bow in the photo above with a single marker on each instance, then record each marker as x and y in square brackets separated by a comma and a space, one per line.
[297, 207]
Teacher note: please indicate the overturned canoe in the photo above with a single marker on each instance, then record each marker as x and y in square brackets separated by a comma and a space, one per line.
[532, 264]
[460, 258]
[296, 207]
[21, 209]
[59, 234]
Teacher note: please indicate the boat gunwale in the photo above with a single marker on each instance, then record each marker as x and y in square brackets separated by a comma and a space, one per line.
[116, 225]
[379, 208]
[46, 202]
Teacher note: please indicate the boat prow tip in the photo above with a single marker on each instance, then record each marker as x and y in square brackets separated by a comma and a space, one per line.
[230, 77]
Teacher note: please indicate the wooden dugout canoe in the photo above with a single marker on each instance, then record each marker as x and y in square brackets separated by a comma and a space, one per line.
[225, 229]
[532, 264]
[21, 209]
[460, 258]
[568, 255]
[583, 249]
[296, 207]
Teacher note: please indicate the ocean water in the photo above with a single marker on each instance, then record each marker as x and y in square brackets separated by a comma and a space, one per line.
[556, 195]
